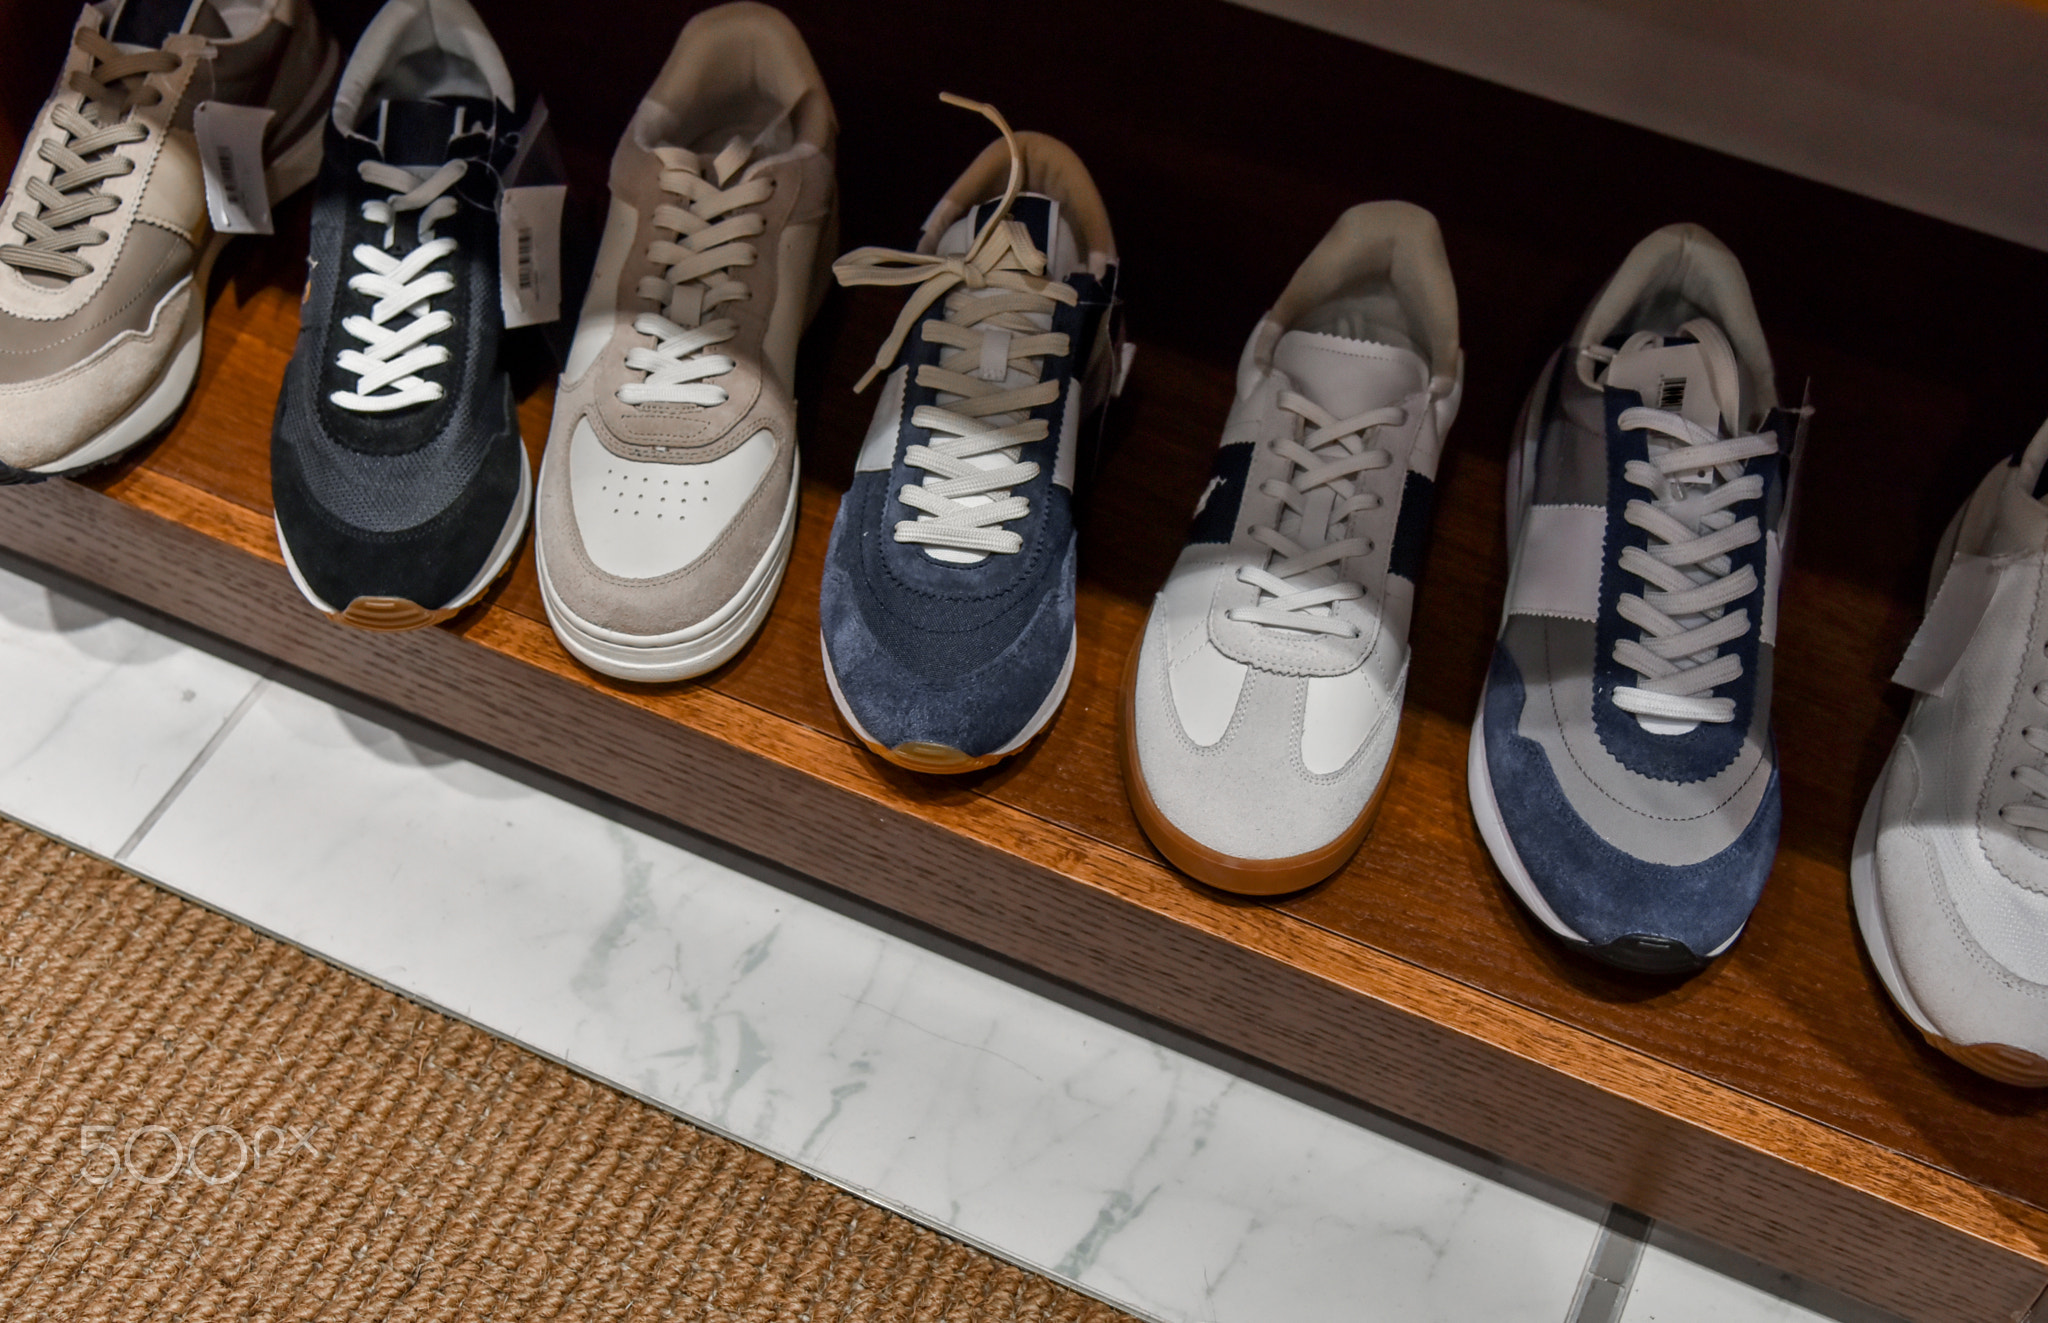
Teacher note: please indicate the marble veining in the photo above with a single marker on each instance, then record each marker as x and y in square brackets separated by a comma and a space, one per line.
[1146, 1176]
[1059, 1139]
[103, 714]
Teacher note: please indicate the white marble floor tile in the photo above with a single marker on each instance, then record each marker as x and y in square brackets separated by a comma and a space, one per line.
[103, 714]
[1061, 1140]
[1681, 1280]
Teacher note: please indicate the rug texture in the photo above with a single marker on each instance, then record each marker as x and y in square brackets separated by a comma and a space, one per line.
[198, 1122]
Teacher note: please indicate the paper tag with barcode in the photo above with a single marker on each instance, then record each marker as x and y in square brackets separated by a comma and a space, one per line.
[231, 154]
[530, 254]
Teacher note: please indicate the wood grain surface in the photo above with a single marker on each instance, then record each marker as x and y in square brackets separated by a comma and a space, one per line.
[1775, 1103]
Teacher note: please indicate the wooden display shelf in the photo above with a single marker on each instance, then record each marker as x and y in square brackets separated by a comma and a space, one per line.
[1774, 1104]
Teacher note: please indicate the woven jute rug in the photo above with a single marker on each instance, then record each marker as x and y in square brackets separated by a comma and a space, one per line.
[198, 1122]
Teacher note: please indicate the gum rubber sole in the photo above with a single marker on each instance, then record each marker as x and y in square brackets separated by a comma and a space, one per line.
[394, 615]
[389, 615]
[1244, 877]
[2007, 1065]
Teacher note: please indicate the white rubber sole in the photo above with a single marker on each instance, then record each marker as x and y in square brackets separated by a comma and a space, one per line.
[920, 757]
[685, 653]
[386, 614]
[1877, 939]
[295, 167]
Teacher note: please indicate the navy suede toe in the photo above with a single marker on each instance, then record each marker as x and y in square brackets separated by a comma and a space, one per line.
[905, 689]
[1603, 893]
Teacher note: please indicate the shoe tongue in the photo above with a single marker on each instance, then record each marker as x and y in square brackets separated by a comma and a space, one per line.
[1692, 374]
[148, 24]
[1347, 377]
[1041, 218]
[416, 133]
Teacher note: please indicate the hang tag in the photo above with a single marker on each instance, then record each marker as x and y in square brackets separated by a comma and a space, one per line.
[1673, 378]
[530, 254]
[1950, 625]
[231, 156]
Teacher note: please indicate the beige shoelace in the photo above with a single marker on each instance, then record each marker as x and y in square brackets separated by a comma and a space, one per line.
[711, 232]
[111, 86]
[993, 292]
[1323, 497]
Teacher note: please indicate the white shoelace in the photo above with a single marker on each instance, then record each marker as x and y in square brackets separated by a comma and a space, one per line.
[2032, 817]
[711, 232]
[1297, 590]
[998, 301]
[1694, 478]
[387, 367]
[57, 225]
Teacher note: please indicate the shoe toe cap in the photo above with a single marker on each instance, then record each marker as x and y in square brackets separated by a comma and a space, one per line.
[1632, 888]
[915, 692]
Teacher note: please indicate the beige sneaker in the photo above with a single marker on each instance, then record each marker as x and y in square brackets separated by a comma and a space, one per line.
[668, 495]
[105, 242]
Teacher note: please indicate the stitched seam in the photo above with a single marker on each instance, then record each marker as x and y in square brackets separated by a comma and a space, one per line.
[1564, 738]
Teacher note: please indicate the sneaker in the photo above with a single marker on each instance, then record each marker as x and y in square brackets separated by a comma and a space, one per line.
[105, 239]
[400, 482]
[948, 600]
[1262, 698]
[1622, 768]
[1950, 870]
[668, 495]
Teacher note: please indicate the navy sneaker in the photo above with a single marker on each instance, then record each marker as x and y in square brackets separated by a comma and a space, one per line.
[1622, 768]
[947, 606]
[397, 472]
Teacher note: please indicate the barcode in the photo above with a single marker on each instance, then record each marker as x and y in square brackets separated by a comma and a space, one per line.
[1672, 393]
[230, 186]
[527, 276]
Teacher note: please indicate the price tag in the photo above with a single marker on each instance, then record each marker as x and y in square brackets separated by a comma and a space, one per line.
[530, 254]
[231, 155]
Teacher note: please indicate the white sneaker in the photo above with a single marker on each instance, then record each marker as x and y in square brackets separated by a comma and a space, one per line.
[1950, 871]
[1261, 702]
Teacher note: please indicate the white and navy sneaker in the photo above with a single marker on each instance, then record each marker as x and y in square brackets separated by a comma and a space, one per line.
[397, 472]
[1622, 767]
[948, 600]
[1950, 870]
[1263, 697]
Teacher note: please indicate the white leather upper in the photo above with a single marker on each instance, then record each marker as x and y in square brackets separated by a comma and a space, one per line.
[1340, 711]
[878, 450]
[1351, 685]
[641, 521]
[1205, 684]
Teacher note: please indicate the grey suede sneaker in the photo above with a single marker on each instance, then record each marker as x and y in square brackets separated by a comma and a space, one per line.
[105, 240]
[668, 495]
